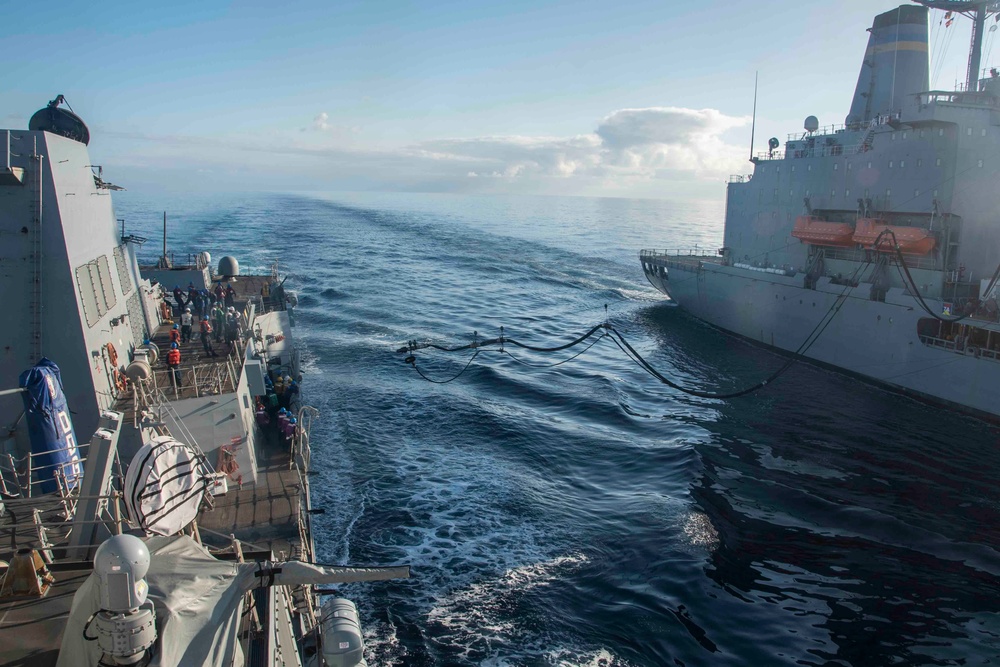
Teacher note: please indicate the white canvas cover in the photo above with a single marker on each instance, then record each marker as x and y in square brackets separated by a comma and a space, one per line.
[197, 600]
[164, 485]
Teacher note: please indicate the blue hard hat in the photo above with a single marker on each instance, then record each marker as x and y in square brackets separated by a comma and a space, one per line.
[293, 420]
[175, 326]
[205, 317]
[173, 346]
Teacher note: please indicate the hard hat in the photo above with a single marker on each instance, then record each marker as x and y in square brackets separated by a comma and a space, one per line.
[187, 310]
[173, 346]
[205, 317]
[176, 326]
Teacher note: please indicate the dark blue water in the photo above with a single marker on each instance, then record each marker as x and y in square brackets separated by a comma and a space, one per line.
[584, 515]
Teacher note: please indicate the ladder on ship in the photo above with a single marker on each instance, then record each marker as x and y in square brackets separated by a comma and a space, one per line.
[35, 349]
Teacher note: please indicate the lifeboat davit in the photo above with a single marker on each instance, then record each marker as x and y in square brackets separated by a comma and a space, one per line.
[911, 240]
[810, 229]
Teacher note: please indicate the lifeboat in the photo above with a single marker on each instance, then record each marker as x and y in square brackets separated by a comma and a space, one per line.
[911, 240]
[810, 229]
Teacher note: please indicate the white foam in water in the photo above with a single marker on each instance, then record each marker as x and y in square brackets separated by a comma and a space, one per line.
[699, 530]
[476, 562]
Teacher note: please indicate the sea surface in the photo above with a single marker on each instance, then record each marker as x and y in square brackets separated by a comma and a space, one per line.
[583, 513]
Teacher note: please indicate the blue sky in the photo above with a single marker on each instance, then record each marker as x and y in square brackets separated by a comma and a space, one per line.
[539, 97]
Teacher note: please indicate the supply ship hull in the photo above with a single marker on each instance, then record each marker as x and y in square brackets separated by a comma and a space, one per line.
[880, 341]
[872, 247]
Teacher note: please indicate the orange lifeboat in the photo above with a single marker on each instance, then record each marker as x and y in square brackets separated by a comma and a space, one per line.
[810, 229]
[911, 240]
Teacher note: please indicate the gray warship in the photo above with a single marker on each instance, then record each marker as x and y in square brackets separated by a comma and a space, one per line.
[150, 514]
[872, 247]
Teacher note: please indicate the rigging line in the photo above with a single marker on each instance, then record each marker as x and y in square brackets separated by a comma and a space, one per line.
[558, 363]
[452, 379]
[911, 283]
[691, 392]
[559, 348]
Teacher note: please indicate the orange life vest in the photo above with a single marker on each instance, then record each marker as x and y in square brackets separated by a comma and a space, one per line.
[174, 358]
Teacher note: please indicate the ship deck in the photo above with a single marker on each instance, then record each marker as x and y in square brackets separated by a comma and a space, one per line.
[267, 518]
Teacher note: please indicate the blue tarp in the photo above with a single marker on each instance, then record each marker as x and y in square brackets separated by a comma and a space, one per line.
[53, 442]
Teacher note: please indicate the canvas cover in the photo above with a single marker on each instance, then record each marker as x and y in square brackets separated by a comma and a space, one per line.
[164, 486]
[197, 600]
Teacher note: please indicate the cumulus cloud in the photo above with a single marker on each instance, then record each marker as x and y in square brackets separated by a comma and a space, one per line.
[627, 144]
[662, 151]
[320, 121]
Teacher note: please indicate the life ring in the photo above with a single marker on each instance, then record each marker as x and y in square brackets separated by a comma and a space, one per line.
[120, 380]
[112, 354]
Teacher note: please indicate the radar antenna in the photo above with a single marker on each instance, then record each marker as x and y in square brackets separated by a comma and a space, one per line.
[978, 11]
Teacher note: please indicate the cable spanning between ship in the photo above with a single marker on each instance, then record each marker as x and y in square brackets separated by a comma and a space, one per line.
[607, 330]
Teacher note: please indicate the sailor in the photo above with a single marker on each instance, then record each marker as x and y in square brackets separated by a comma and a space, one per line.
[174, 362]
[230, 296]
[232, 327]
[186, 321]
[263, 420]
[290, 430]
[175, 334]
[179, 298]
[219, 315]
[291, 392]
[219, 292]
[199, 304]
[206, 336]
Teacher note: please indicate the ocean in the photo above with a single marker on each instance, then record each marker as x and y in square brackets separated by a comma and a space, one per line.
[583, 513]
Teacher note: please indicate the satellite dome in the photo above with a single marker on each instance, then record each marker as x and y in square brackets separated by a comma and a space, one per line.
[63, 122]
[228, 266]
[811, 124]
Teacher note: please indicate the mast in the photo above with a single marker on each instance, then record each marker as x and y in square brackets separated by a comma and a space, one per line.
[753, 126]
[976, 50]
[978, 11]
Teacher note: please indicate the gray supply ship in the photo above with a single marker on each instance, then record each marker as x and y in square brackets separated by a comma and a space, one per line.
[154, 487]
[872, 247]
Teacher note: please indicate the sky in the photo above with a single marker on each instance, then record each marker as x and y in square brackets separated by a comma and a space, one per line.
[632, 98]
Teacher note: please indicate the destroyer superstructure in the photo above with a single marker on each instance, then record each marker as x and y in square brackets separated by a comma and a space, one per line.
[178, 529]
[872, 246]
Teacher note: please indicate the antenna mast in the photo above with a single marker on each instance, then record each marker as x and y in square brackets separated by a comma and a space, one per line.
[753, 124]
[978, 11]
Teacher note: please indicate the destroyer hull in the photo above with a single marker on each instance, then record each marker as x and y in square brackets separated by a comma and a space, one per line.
[876, 340]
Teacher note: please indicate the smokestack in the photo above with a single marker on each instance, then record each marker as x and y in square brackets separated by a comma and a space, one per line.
[895, 65]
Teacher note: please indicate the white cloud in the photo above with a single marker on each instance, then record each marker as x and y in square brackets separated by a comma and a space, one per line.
[320, 121]
[628, 144]
[670, 152]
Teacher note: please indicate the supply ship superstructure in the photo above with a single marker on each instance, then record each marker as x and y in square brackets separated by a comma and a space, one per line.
[874, 246]
[149, 514]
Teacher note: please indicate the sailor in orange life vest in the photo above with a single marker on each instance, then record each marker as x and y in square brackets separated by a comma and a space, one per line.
[206, 337]
[174, 362]
[175, 334]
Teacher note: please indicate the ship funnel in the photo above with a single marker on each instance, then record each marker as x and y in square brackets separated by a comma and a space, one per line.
[895, 65]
